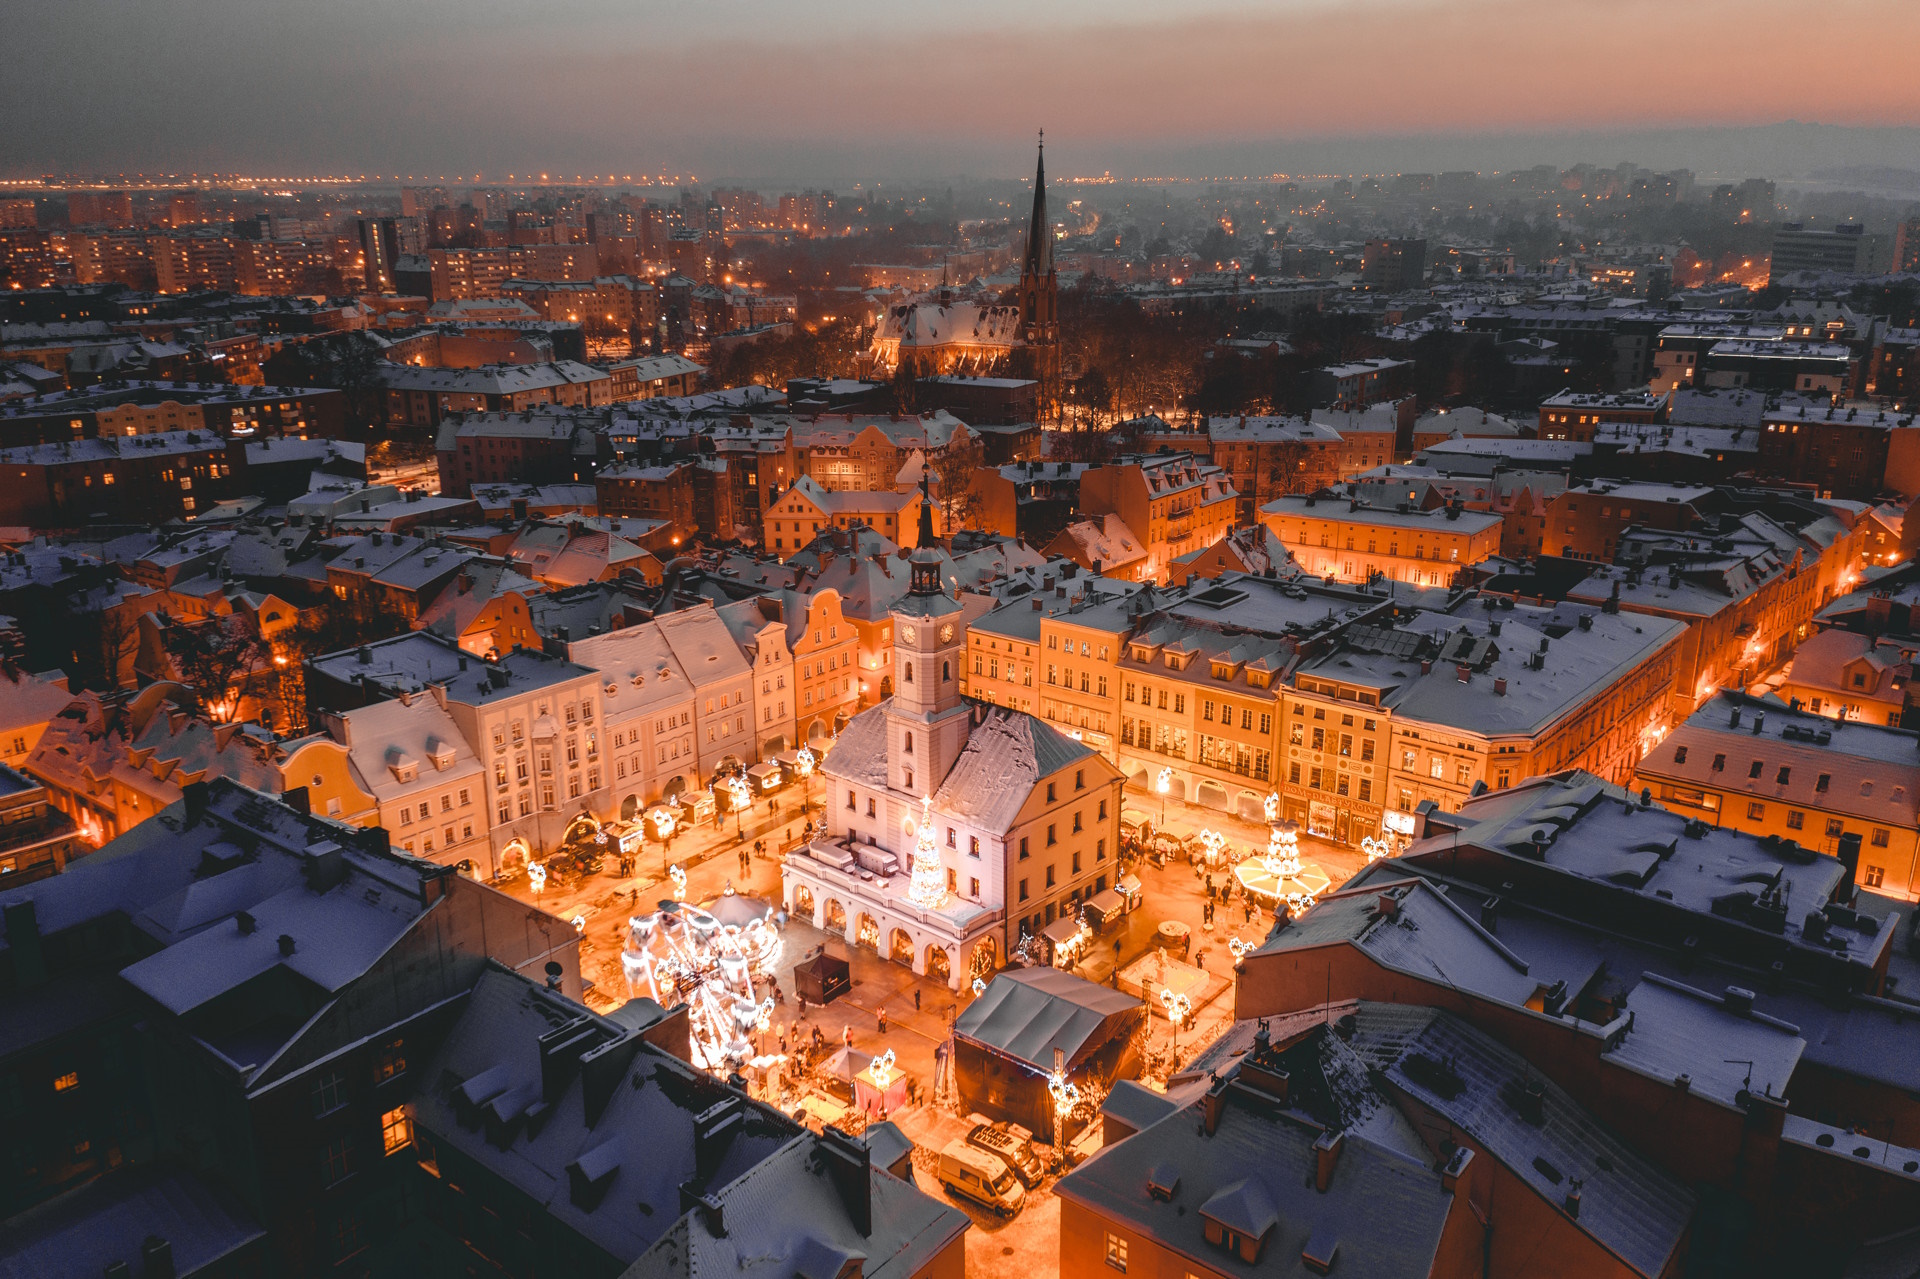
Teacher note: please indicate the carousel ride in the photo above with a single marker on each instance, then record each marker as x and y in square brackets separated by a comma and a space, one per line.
[1277, 878]
[708, 959]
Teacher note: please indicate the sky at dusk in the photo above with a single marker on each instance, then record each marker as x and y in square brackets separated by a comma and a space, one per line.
[864, 90]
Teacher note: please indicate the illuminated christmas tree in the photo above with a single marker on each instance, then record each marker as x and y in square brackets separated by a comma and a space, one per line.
[1283, 851]
[928, 887]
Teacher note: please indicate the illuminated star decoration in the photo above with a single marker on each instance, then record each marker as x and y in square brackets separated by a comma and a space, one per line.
[537, 877]
[1240, 949]
[979, 987]
[679, 878]
[883, 1069]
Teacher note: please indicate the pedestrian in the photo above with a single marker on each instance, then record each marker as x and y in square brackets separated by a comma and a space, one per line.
[846, 1034]
[819, 1040]
[883, 1019]
[1247, 911]
[1209, 884]
[783, 1041]
[803, 1007]
[779, 1000]
[916, 999]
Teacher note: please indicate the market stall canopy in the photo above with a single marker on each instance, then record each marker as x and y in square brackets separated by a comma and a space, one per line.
[845, 1064]
[823, 978]
[1027, 1014]
[1062, 930]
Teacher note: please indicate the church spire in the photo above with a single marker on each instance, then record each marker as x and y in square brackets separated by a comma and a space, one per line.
[1040, 234]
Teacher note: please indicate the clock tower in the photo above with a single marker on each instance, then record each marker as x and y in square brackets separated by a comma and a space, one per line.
[927, 720]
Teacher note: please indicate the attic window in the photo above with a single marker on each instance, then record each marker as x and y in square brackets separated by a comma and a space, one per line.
[1679, 754]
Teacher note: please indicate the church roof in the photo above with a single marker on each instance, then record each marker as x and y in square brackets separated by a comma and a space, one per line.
[1040, 232]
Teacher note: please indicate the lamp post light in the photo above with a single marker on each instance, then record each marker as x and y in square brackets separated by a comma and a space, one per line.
[1065, 1097]
[1179, 1007]
[1163, 783]
[803, 764]
[742, 799]
[663, 825]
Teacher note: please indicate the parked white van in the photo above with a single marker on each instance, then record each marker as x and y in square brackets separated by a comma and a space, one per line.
[984, 1178]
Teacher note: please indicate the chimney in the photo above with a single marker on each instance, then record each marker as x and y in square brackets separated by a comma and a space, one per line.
[1735, 721]
[849, 1163]
[1326, 1157]
[1759, 722]
[1490, 914]
[713, 1132]
[23, 939]
[298, 800]
[1455, 1169]
[245, 922]
[1849, 855]
[1500, 686]
[1463, 673]
[286, 944]
[1213, 1103]
[1573, 1198]
[1738, 1001]
[1389, 906]
[156, 1258]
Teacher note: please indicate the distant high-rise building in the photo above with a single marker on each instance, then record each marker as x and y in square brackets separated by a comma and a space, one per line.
[1906, 244]
[379, 250]
[18, 215]
[1394, 264]
[1749, 201]
[1848, 250]
[100, 208]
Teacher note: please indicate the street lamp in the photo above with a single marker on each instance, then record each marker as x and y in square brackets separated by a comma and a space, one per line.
[663, 825]
[1065, 1097]
[803, 764]
[1179, 1007]
[1163, 783]
[742, 797]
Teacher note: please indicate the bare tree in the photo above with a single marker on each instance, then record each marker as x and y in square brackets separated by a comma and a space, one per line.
[955, 468]
[219, 658]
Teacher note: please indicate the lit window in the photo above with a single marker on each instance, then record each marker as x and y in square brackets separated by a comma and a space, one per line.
[1117, 1252]
[396, 1130]
[67, 1082]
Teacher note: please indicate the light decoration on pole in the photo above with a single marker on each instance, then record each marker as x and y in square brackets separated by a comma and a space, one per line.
[927, 889]
[1376, 847]
[679, 878]
[1272, 805]
[803, 764]
[682, 955]
[1066, 1095]
[1215, 844]
[1240, 949]
[663, 824]
[1179, 1008]
[882, 1069]
[537, 877]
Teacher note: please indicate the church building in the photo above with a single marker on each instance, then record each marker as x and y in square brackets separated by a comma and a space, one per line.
[946, 334]
[952, 829]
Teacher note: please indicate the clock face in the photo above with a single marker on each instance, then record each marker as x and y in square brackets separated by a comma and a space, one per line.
[946, 633]
[907, 634]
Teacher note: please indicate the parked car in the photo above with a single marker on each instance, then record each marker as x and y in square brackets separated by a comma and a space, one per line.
[972, 1173]
[1013, 1151]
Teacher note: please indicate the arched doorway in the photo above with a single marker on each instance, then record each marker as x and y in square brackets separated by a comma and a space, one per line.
[985, 958]
[817, 731]
[886, 686]
[867, 932]
[900, 947]
[513, 859]
[676, 785]
[774, 745]
[581, 829]
[939, 968]
[836, 918]
[1212, 794]
[803, 902]
[1136, 775]
[1253, 807]
[629, 808]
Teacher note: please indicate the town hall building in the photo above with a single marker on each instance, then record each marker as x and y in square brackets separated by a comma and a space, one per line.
[953, 830]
